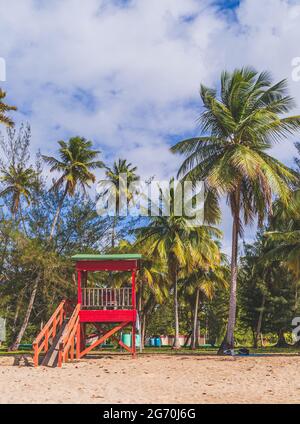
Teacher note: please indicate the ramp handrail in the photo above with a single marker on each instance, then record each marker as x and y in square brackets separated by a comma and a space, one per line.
[71, 334]
[41, 342]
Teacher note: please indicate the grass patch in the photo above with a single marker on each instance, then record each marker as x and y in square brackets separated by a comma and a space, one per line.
[167, 350]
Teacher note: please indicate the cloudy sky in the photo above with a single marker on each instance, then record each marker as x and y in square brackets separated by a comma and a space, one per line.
[126, 73]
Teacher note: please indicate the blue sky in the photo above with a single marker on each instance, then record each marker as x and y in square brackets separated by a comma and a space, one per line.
[126, 74]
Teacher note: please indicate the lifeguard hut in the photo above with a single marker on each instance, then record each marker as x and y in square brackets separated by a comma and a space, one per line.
[109, 310]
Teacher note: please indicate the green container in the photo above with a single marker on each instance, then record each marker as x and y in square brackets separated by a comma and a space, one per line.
[137, 340]
[127, 338]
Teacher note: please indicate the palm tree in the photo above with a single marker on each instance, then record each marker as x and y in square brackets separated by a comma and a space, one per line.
[4, 108]
[77, 159]
[204, 281]
[239, 127]
[122, 175]
[19, 182]
[179, 244]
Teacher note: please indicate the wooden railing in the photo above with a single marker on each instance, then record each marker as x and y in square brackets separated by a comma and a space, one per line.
[107, 298]
[70, 338]
[41, 343]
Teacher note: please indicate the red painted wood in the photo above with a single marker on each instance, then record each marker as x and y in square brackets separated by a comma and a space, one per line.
[103, 338]
[79, 287]
[41, 341]
[121, 265]
[133, 290]
[123, 345]
[107, 316]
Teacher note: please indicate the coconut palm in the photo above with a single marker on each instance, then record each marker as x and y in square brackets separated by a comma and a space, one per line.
[239, 127]
[204, 281]
[75, 163]
[179, 244]
[122, 175]
[19, 183]
[4, 108]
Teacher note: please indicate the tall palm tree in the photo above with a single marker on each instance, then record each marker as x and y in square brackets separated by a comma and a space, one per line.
[4, 108]
[121, 175]
[19, 182]
[75, 163]
[181, 245]
[239, 127]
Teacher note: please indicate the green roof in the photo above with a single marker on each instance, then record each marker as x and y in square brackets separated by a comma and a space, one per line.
[112, 257]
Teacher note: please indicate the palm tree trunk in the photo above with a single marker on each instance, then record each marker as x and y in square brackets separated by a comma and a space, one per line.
[143, 330]
[140, 296]
[259, 322]
[297, 284]
[113, 231]
[23, 221]
[195, 323]
[20, 335]
[57, 213]
[228, 343]
[176, 344]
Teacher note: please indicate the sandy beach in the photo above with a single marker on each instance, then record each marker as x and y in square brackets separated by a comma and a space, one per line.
[154, 379]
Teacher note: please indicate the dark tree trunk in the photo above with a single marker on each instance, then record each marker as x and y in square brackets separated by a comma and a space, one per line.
[254, 338]
[281, 339]
[189, 337]
[198, 331]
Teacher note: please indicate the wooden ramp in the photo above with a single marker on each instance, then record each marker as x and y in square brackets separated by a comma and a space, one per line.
[51, 357]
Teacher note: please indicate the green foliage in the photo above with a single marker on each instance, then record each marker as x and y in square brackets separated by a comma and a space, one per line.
[77, 160]
[4, 108]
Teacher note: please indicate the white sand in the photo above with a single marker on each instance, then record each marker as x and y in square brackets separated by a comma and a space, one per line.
[155, 379]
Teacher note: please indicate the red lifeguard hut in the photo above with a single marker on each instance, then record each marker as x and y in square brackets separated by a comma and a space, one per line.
[108, 310]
